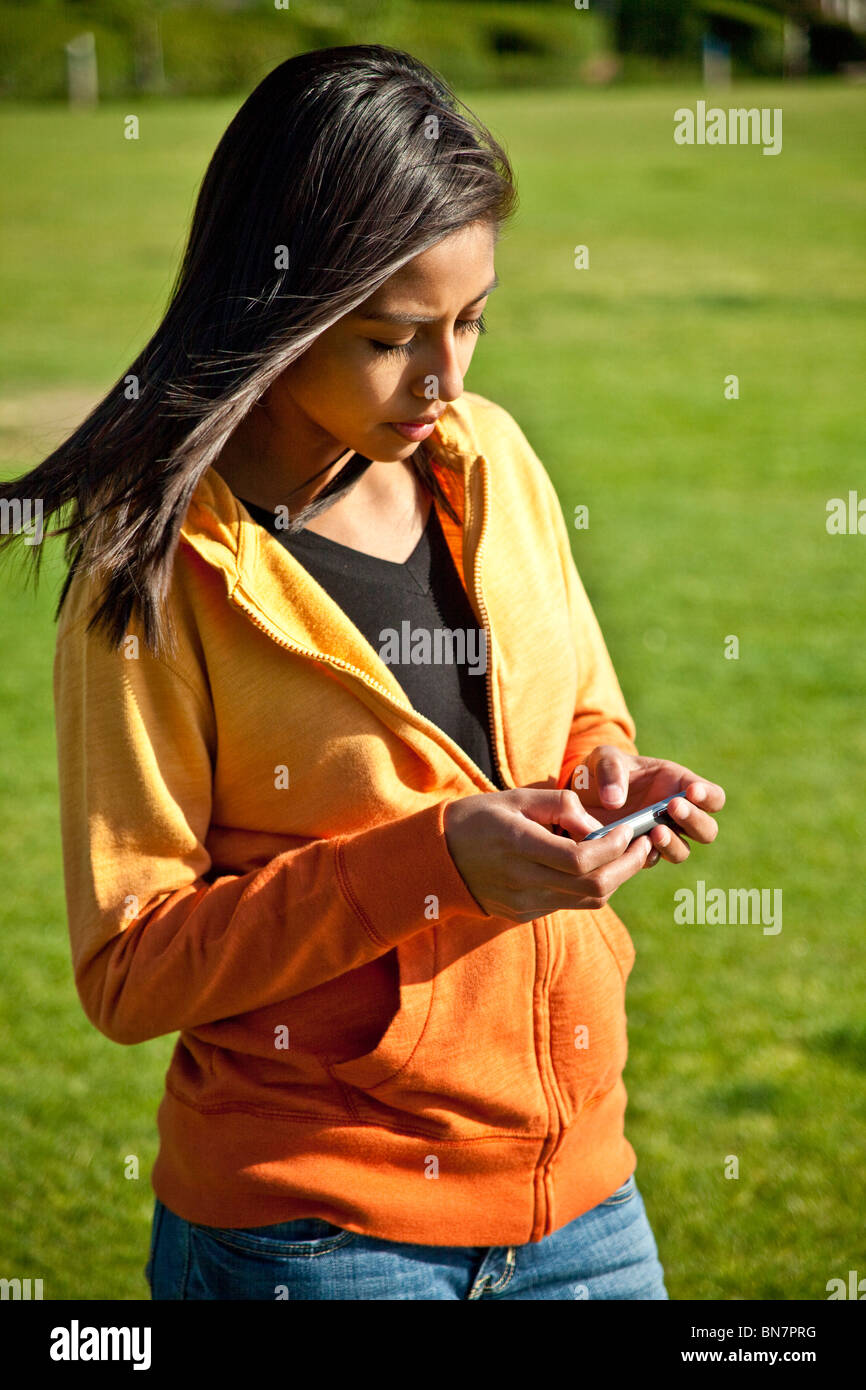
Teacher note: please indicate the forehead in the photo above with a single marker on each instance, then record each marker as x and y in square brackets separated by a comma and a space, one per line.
[458, 267]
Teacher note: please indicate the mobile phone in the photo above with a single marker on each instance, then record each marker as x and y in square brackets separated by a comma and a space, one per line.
[641, 822]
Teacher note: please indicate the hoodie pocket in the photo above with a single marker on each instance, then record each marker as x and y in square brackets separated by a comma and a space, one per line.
[588, 1038]
[459, 1060]
[617, 938]
[416, 959]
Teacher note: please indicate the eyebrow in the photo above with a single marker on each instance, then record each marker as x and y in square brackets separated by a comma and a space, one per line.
[383, 317]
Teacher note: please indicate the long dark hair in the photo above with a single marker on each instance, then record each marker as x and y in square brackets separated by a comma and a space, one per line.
[342, 165]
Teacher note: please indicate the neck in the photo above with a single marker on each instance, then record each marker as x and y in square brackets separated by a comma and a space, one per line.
[258, 463]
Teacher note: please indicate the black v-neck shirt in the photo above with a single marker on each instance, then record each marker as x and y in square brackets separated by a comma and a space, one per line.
[418, 600]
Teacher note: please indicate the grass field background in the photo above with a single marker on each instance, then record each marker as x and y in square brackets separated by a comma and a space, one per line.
[707, 519]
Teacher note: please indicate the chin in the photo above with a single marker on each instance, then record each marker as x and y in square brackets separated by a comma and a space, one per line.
[387, 446]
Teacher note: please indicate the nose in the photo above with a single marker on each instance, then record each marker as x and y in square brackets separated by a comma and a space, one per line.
[442, 377]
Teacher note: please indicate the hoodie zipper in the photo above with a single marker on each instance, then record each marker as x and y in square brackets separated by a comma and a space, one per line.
[555, 1108]
[482, 608]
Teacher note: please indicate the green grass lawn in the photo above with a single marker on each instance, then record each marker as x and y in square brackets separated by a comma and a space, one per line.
[706, 520]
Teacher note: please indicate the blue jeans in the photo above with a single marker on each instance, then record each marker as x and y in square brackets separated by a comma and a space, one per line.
[609, 1252]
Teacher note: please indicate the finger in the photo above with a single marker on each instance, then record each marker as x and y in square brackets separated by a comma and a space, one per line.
[564, 890]
[562, 812]
[709, 795]
[610, 848]
[624, 863]
[669, 845]
[697, 824]
[610, 766]
[567, 856]
[573, 818]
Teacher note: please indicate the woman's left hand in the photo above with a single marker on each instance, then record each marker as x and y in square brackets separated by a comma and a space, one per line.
[620, 783]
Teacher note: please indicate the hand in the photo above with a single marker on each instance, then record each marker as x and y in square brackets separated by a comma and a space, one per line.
[621, 783]
[514, 864]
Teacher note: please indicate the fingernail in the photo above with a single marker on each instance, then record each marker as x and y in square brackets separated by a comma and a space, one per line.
[698, 792]
[611, 792]
[666, 837]
[653, 857]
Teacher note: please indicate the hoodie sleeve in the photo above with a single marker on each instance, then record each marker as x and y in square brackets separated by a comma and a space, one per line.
[600, 714]
[160, 941]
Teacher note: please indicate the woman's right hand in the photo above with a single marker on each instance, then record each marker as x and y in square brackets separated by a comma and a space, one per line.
[515, 866]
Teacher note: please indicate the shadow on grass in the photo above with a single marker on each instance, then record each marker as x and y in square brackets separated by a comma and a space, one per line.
[746, 1095]
[846, 1045]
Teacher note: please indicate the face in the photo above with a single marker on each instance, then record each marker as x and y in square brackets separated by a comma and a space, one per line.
[400, 356]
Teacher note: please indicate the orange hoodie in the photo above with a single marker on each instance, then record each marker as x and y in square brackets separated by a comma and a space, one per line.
[254, 857]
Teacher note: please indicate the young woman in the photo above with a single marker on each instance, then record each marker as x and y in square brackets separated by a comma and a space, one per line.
[328, 692]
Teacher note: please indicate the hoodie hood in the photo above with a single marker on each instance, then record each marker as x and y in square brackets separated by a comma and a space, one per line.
[272, 586]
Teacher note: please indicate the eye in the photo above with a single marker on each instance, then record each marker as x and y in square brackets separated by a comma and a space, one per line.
[392, 349]
[472, 325]
[405, 349]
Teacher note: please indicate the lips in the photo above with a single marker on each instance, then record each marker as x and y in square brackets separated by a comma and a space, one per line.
[415, 430]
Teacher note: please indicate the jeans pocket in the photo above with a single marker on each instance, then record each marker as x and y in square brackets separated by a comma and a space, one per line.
[308, 1235]
[258, 1262]
[625, 1193]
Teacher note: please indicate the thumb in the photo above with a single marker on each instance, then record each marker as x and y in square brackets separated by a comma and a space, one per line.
[611, 768]
[559, 810]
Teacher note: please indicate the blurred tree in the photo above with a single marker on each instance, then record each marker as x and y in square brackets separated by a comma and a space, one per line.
[661, 28]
